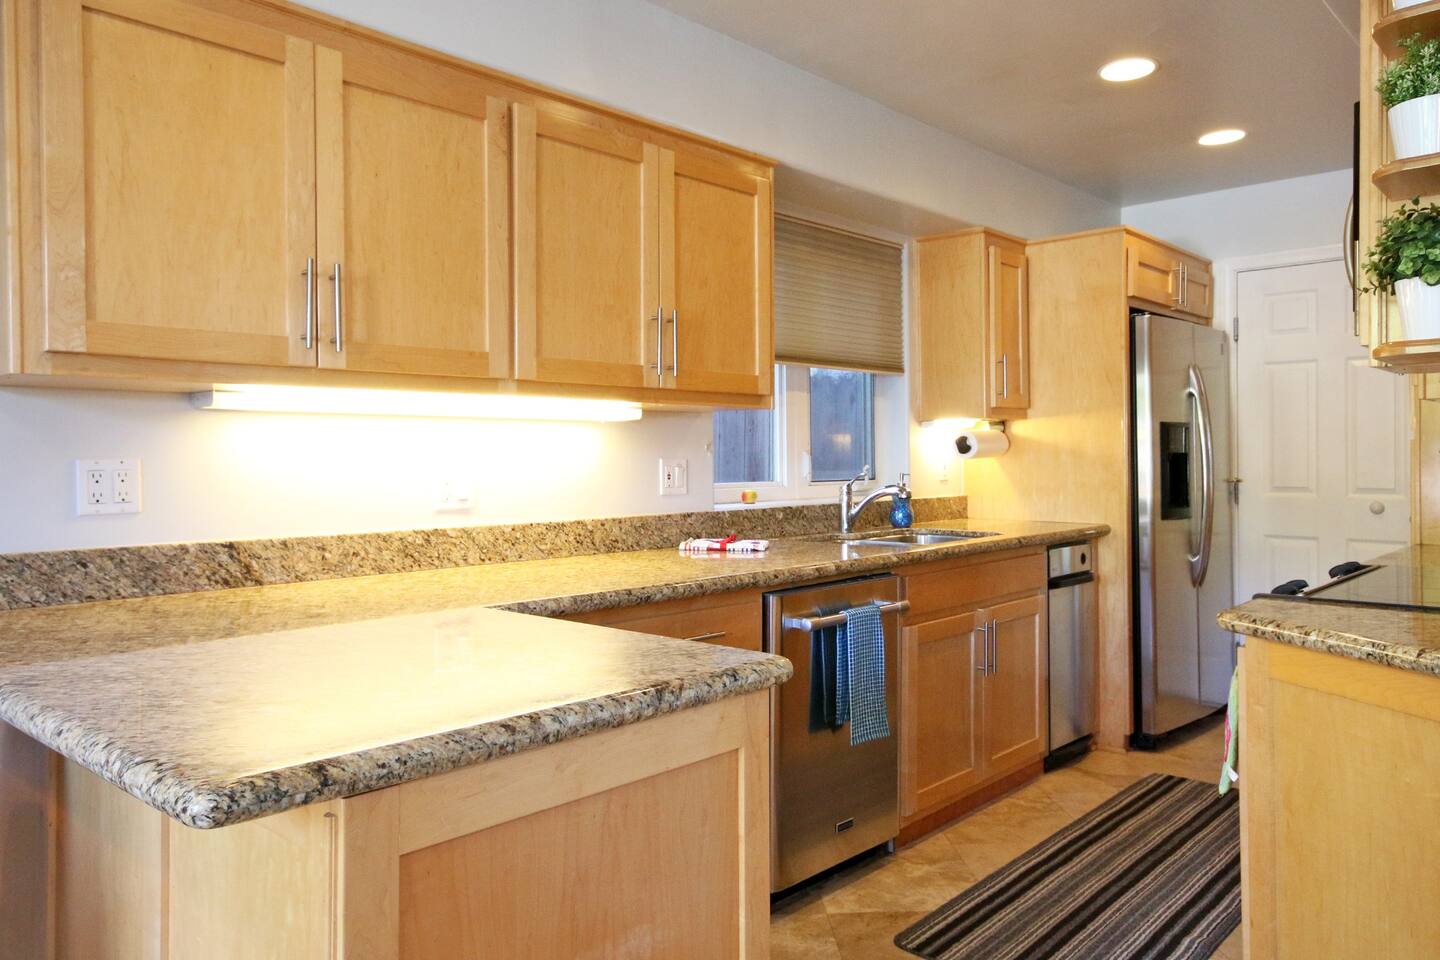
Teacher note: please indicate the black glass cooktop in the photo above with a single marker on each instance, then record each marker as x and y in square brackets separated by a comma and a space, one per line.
[1407, 578]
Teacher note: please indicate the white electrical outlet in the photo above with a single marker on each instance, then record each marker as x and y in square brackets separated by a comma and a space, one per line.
[107, 486]
[452, 495]
[674, 478]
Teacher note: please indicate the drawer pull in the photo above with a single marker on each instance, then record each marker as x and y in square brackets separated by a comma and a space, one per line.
[707, 637]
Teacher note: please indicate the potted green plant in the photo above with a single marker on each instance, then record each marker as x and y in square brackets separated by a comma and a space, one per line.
[1410, 90]
[1405, 261]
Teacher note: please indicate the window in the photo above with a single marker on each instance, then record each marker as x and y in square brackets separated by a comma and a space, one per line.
[842, 423]
[829, 417]
[839, 346]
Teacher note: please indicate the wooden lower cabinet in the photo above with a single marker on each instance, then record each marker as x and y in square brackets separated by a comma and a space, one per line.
[650, 840]
[973, 675]
[940, 664]
[1015, 713]
[731, 619]
[1337, 761]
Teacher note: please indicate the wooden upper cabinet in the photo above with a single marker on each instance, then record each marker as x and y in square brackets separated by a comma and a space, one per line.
[716, 237]
[1007, 330]
[1167, 278]
[412, 173]
[1016, 695]
[940, 749]
[179, 201]
[970, 334]
[587, 253]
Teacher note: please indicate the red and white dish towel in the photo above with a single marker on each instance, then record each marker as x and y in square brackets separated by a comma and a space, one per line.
[729, 544]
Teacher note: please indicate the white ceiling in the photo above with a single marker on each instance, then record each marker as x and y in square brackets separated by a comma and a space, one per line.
[1019, 77]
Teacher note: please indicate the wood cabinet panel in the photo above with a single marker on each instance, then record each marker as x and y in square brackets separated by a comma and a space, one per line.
[1016, 692]
[1168, 278]
[587, 259]
[413, 186]
[974, 671]
[179, 183]
[1008, 332]
[734, 620]
[478, 896]
[970, 334]
[953, 587]
[940, 750]
[716, 258]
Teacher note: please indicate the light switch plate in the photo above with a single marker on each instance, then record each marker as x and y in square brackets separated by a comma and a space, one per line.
[674, 478]
[107, 487]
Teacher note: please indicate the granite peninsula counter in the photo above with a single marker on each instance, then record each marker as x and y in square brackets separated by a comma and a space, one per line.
[1339, 756]
[366, 746]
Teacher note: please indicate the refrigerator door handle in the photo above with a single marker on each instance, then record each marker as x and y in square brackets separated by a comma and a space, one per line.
[1200, 560]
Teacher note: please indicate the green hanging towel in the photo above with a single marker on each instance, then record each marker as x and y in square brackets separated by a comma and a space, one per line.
[1228, 772]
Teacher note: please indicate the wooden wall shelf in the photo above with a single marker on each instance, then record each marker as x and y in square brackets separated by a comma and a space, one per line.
[1409, 178]
[1409, 356]
[1421, 18]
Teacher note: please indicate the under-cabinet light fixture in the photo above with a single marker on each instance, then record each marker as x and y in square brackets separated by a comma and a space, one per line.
[1127, 68]
[411, 403]
[1218, 138]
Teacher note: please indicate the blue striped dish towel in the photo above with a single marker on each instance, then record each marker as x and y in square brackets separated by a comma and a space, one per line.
[860, 675]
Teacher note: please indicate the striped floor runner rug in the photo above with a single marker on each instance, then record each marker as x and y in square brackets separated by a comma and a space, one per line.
[1153, 872]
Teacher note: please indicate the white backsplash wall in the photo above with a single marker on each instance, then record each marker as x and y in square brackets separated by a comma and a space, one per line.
[211, 475]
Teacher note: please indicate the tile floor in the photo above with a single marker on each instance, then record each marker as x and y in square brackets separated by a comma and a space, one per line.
[856, 914]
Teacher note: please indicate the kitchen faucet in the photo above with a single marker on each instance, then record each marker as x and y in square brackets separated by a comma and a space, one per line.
[849, 510]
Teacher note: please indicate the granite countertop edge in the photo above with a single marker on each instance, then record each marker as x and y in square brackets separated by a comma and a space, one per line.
[205, 804]
[570, 604]
[1344, 643]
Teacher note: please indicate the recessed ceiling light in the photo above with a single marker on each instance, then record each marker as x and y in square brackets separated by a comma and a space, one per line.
[1218, 138]
[1129, 68]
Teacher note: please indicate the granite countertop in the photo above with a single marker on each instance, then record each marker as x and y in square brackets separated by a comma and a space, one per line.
[226, 705]
[1393, 636]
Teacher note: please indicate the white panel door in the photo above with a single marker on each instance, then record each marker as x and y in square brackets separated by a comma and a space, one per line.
[1323, 437]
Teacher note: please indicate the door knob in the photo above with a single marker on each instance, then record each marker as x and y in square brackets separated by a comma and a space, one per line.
[1376, 507]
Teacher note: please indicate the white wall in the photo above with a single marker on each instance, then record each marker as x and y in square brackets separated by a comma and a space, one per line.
[1295, 214]
[218, 475]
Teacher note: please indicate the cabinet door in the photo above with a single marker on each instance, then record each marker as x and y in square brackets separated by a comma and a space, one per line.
[1199, 297]
[1008, 332]
[716, 229]
[413, 186]
[587, 253]
[179, 205]
[1016, 700]
[1152, 273]
[940, 751]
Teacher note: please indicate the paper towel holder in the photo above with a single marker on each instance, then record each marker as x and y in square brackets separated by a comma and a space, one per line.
[961, 446]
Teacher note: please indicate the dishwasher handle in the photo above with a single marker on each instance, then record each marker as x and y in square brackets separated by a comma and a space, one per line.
[818, 622]
[1071, 579]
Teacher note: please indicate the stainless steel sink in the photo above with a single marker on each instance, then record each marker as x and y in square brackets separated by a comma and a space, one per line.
[905, 539]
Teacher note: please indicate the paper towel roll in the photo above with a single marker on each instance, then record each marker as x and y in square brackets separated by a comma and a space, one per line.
[981, 443]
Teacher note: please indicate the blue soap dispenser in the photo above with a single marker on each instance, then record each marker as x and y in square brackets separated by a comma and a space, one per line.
[901, 515]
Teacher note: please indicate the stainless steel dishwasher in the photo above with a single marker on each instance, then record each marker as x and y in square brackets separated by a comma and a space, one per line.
[830, 800]
[1073, 638]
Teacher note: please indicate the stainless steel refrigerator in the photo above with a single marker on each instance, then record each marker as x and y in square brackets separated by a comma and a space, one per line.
[1182, 536]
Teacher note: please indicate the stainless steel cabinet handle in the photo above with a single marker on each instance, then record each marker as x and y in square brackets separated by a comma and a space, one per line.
[339, 338]
[818, 622]
[994, 646]
[675, 343]
[1179, 294]
[1184, 285]
[1005, 375]
[984, 668]
[309, 276]
[1348, 248]
[660, 341]
[707, 637]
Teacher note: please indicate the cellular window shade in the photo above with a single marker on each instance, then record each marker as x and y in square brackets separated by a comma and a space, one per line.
[837, 299]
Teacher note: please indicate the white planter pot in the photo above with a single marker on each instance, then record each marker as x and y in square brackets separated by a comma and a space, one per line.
[1415, 127]
[1419, 310]
[1402, 4]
